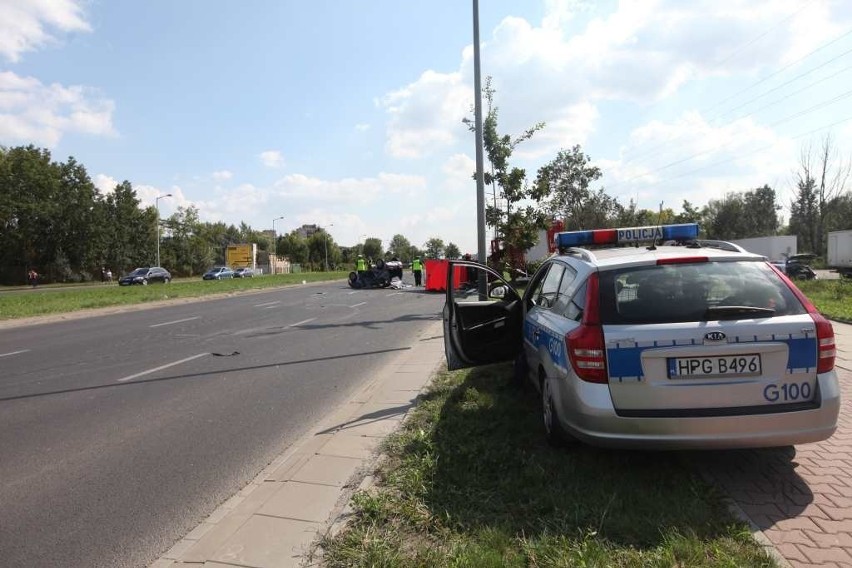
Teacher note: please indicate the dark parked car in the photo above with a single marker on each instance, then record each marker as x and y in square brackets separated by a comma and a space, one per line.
[244, 272]
[144, 276]
[218, 273]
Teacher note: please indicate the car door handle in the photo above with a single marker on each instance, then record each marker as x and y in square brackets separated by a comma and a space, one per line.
[536, 334]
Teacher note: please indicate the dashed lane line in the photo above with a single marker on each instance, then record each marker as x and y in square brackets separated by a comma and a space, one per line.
[160, 368]
[174, 322]
[267, 304]
[301, 322]
[356, 305]
[14, 353]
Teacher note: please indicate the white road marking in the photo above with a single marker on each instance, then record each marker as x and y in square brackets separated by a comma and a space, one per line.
[160, 368]
[14, 353]
[396, 293]
[301, 322]
[173, 322]
[267, 304]
[353, 292]
[270, 307]
[356, 305]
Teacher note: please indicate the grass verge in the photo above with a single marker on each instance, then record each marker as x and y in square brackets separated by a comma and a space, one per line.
[27, 303]
[833, 298]
[469, 481]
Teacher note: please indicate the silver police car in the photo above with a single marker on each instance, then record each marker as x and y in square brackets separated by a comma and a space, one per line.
[675, 344]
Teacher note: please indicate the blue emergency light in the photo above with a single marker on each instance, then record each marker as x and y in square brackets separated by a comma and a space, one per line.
[682, 232]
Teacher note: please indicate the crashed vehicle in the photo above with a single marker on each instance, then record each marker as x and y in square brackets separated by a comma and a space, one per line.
[380, 276]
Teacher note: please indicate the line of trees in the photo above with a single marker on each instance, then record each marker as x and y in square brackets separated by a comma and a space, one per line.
[54, 220]
[564, 189]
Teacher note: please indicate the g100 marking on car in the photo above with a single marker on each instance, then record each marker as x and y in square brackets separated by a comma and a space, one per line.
[554, 347]
[742, 365]
[788, 392]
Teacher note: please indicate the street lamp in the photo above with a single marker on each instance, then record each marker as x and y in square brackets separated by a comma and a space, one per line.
[274, 245]
[325, 242]
[157, 205]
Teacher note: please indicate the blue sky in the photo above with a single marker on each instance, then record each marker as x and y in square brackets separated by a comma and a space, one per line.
[348, 113]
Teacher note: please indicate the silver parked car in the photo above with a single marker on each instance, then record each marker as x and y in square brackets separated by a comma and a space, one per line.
[690, 344]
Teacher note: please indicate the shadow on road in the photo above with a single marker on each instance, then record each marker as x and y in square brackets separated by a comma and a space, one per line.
[211, 373]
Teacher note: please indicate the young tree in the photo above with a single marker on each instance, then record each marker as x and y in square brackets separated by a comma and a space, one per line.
[516, 224]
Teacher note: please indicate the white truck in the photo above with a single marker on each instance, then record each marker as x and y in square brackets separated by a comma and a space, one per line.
[774, 248]
[840, 252]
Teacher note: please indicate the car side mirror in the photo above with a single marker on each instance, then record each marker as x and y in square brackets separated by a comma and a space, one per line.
[498, 292]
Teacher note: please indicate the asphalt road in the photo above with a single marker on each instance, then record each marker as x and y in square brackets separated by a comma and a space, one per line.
[119, 434]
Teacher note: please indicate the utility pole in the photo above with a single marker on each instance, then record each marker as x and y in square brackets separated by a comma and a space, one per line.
[274, 246]
[157, 205]
[480, 177]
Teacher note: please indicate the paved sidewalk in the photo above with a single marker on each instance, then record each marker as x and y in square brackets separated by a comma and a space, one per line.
[801, 500]
[273, 521]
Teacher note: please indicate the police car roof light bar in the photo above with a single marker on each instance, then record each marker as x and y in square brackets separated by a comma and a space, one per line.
[682, 232]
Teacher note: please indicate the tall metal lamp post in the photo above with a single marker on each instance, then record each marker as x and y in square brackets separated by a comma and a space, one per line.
[157, 205]
[274, 244]
[325, 242]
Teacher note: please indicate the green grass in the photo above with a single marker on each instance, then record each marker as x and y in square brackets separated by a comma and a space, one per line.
[833, 298]
[20, 304]
[469, 481]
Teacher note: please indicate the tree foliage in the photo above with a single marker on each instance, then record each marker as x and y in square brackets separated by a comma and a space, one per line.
[433, 248]
[373, 248]
[452, 251]
[820, 186]
[400, 247]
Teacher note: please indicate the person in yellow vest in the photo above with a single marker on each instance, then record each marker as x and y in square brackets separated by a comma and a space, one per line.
[417, 268]
[360, 264]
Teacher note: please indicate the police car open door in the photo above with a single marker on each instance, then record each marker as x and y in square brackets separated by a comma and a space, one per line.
[483, 316]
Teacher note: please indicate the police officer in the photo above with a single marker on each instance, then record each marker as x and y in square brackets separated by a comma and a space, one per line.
[360, 264]
[417, 268]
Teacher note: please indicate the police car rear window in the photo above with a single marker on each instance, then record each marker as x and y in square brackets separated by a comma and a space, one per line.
[703, 291]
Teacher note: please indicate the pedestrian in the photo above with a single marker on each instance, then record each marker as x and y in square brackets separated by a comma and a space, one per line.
[32, 277]
[109, 276]
[360, 264]
[103, 274]
[417, 268]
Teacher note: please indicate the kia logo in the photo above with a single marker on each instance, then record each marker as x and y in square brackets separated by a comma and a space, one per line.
[715, 336]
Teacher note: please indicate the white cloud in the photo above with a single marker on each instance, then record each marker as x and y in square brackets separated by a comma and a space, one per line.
[348, 190]
[691, 159]
[105, 184]
[222, 175]
[32, 112]
[642, 52]
[272, 159]
[25, 24]
[426, 113]
[362, 127]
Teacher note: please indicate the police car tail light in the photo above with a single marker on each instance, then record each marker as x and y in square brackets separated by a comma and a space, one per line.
[826, 350]
[825, 343]
[585, 344]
